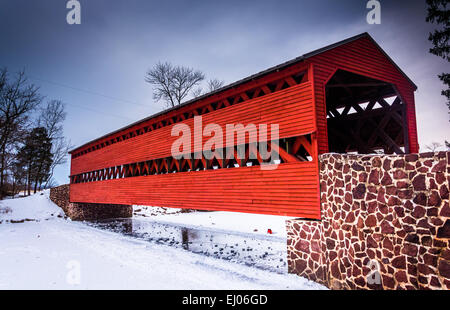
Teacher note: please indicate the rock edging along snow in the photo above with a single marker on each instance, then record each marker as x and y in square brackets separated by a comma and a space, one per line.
[87, 211]
[385, 224]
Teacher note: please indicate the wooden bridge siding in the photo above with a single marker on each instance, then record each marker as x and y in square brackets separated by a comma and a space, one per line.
[292, 189]
[363, 57]
[234, 91]
[289, 190]
[291, 108]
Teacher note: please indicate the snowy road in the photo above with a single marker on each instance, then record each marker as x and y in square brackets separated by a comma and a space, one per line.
[58, 254]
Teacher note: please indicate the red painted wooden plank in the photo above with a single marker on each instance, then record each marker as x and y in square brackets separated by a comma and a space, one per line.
[290, 108]
[291, 189]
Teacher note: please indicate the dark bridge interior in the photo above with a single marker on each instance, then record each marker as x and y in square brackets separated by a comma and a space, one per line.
[364, 115]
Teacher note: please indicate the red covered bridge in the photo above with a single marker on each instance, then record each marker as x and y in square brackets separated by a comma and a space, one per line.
[346, 97]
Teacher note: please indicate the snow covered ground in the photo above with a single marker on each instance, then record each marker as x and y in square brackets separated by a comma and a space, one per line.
[258, 224]
[39, 249]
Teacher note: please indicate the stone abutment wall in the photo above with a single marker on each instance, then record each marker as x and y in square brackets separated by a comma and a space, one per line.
[60, 196]
[385, 224]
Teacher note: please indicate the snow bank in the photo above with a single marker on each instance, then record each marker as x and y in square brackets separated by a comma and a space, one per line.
[36, 207]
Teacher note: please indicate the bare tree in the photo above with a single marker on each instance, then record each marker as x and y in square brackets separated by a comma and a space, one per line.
[215, 84]
[60, 148]
[50, 183]
[212, 84]
[172, 83]
[18, 99]
[433, 147]
[197, 92]
[51, 118]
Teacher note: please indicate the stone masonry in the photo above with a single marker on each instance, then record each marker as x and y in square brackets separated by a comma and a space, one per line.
[60, 196]
[385, 224]
[87, 211]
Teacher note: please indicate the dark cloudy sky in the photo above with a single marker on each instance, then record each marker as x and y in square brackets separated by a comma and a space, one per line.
[97, 68]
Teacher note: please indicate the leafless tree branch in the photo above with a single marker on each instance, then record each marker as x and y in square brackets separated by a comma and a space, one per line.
[172, 83]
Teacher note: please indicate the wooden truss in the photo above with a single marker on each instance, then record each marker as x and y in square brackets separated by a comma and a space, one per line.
[289, 150]
[368, 129]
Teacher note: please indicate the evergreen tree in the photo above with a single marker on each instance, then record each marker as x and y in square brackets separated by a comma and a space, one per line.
[19, 175]
[36, 157]
[439, 14]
